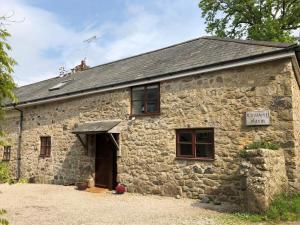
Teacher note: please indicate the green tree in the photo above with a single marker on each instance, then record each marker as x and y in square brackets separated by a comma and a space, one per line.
[266, 20]
[7, 63]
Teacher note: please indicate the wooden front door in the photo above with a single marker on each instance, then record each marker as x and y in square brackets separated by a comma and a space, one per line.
[105, 168]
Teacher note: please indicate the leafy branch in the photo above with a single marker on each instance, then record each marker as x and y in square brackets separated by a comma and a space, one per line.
[268, 20]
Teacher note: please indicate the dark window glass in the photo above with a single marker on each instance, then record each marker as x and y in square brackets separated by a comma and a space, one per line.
[145, 100]
[6, 153]
[45, 147]
[195, 143]
[204, 150]
[203, 136]
[186, 149]
[185, 137]
[138, 100]
[152, 98]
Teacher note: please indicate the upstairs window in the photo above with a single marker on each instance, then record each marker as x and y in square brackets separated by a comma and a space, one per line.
[45, 147]
[195, 143]
[6, 153]
[145, 100]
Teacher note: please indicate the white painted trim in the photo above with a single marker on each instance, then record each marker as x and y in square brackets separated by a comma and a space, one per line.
[170, 77]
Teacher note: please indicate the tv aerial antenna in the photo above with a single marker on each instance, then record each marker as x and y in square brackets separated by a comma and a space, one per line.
[88, 42]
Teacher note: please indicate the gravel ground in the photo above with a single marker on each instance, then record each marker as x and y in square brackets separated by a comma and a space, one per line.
[41, 204]
[37, 204]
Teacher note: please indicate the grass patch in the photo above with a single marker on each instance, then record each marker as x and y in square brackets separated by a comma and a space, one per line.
[262, 144]
[243, 153]
[283, 208]
[23, 181]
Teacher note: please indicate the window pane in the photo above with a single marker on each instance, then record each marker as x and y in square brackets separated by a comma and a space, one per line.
[45, 146]
[43, 150]
[48, 141]
[138, 107]
[152, 106]
[152, 93]
[138, 93]
[204, 150]
[204, 136]
[6, 153]
[186, 149]
[185, 137]
[48, 151]
[43, 141]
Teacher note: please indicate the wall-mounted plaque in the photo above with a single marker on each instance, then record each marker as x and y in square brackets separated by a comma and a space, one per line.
[258, 118]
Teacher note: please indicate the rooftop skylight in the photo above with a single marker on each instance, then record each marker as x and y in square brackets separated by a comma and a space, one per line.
[59, 85]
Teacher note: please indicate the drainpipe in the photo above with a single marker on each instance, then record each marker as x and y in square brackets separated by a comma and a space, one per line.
[19, 142]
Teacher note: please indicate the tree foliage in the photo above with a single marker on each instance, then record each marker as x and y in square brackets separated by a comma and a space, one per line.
[3, 221]
[7, 63]
[267, 20]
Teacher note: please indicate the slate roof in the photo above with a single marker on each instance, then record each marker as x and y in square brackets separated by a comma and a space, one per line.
[197, 53]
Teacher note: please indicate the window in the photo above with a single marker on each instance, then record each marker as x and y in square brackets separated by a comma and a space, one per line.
[6, 153]
[195, 143]
[145, 100]
[45, 147]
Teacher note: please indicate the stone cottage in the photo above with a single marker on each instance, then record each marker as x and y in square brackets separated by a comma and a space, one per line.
[168, 122]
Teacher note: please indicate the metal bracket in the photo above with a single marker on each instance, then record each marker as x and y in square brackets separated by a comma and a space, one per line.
[119, 154]
[114, 141]
[82, 142]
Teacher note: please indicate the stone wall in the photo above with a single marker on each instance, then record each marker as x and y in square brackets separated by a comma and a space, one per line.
[264, 176]
[148, 163]
[294, 154]
[11, 128]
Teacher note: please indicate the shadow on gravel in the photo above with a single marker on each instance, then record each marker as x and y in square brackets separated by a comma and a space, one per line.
[224, 207]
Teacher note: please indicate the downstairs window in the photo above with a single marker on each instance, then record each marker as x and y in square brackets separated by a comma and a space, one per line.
[195, 144]
[6, 153]
[45, 147]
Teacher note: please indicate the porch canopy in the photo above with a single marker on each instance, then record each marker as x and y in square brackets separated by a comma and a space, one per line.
[105, 126]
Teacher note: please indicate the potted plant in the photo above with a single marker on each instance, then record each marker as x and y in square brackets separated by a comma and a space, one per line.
[81, 185]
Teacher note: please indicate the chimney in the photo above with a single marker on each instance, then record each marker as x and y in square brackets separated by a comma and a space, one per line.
[82, 66]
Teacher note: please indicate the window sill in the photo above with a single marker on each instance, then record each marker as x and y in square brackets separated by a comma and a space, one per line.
[44, 156]
[145, 115]
[195, 159]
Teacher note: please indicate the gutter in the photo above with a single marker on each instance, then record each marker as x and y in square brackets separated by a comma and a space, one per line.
[280, 54]
[19, 142]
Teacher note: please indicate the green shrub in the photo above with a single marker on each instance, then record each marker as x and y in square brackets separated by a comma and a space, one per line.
[5, 176]
[283, 208]
[243, 153]
[262, 144]
[23, 181]
[3, 221]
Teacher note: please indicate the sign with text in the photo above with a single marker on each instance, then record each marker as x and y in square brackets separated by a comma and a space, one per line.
[258, 118]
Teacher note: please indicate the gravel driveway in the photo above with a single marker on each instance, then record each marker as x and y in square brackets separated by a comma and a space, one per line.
[37, 204]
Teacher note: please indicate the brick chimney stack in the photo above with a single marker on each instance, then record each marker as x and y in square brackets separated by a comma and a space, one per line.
[82, 66]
